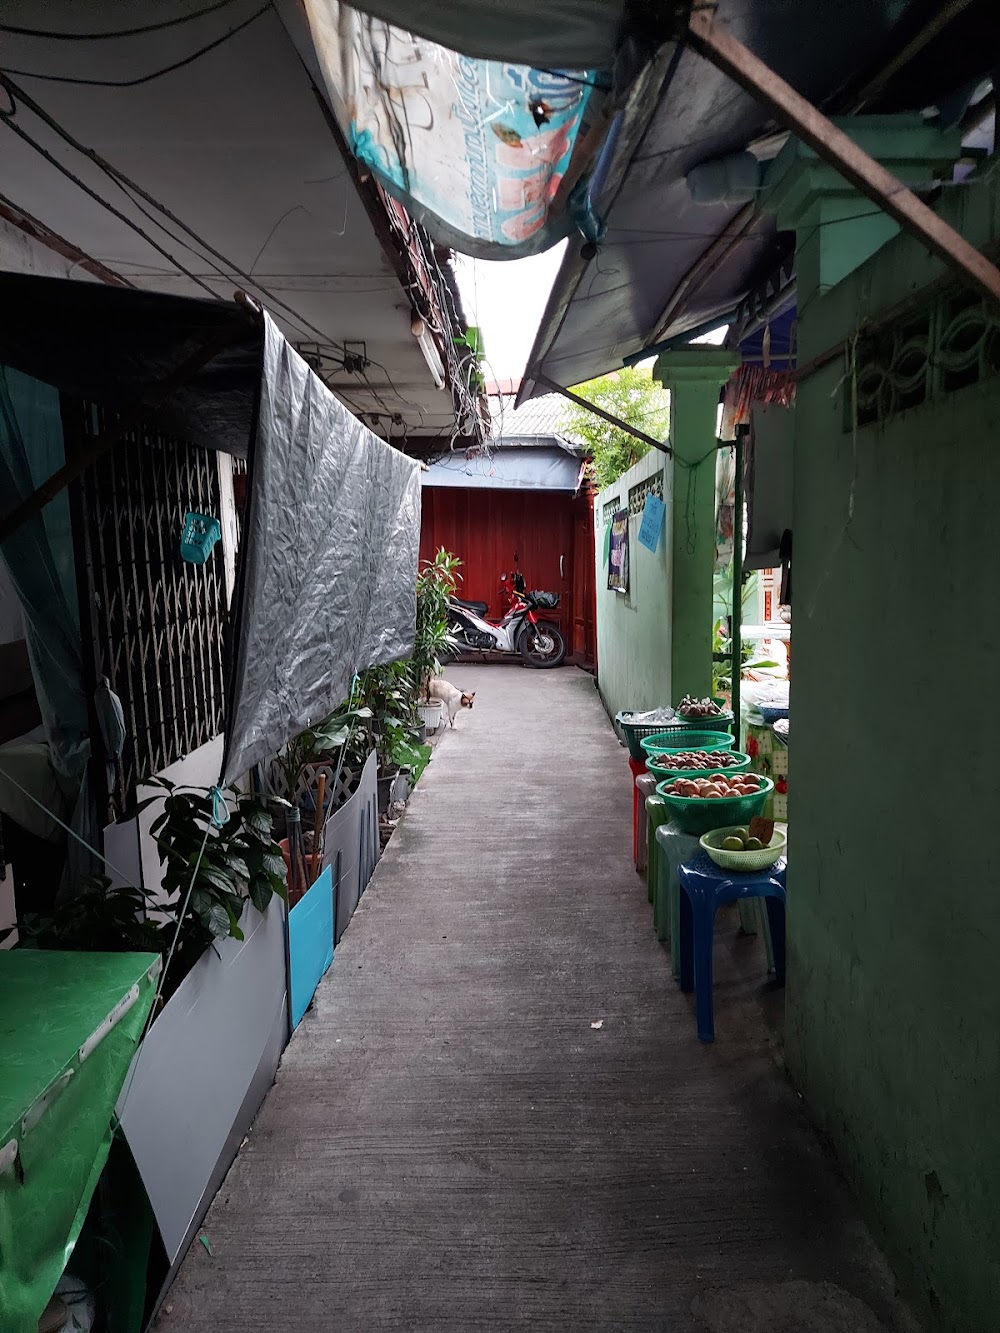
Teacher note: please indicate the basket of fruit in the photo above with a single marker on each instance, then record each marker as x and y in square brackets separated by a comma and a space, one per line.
[701, 804]
[674, 742]
[696, 763]
[734, 849]
[695, 712]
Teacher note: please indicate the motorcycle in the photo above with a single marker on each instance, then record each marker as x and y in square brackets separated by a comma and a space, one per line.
[520, 633]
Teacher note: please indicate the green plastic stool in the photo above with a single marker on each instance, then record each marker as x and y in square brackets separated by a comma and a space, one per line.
[657, 814]
[673, 847]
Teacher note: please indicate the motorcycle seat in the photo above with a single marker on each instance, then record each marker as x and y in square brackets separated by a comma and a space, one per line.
[477, 608]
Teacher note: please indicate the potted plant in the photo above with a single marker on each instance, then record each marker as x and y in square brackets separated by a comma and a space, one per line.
[210, 873]
[436, 584]
[388, 694]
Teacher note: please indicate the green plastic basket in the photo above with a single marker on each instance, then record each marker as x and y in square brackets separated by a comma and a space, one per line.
[668, 774]
[687, 739]
[745, 862]
[635, 732]
[702, 814]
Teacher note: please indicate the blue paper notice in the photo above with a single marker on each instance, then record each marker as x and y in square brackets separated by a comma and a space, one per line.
[652, 523]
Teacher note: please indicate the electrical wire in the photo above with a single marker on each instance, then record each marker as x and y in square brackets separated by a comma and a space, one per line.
[145, 78]
[121, 32]
[125, 183]
[70, 175]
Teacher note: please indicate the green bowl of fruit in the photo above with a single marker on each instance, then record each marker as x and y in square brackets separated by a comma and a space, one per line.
[733, 848]
[699, 805]
[696, 763]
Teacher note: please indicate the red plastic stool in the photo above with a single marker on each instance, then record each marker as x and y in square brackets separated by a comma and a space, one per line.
[638, 768]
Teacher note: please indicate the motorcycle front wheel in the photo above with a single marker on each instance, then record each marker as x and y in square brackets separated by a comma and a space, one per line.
[542, 645]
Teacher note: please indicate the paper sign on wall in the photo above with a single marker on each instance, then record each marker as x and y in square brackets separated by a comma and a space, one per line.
[652, 523]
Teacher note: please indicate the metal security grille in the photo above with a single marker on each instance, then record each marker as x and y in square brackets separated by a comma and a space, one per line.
[637, 493]
[935, 350]
[155, 623]
[611, 507]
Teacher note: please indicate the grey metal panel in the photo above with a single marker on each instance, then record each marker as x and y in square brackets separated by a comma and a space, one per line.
[191, 1076]
[547, 468]
[352, 845]
[259, 1087]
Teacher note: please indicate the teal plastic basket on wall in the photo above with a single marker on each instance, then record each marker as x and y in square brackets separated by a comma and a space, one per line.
[200, 534]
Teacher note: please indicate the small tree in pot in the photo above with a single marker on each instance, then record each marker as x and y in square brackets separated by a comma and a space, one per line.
[436, 584]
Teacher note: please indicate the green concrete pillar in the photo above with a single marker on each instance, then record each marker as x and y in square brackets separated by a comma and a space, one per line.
[837, 228]
[694, 376]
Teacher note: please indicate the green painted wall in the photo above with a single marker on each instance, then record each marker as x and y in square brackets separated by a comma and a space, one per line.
[893, 994]
[633, 630]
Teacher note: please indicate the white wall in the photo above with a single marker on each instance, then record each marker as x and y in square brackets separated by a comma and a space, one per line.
[130, 849]
[633, 629]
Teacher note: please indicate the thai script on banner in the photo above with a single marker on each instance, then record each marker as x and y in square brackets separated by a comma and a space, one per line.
[479, 145]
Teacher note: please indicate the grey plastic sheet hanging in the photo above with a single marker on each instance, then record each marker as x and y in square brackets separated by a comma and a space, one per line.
[329, 562]
[331, 534]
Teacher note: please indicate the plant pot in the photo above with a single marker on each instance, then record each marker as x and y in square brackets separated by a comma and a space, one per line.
[297, 888]
[386, 782]
[430, 715]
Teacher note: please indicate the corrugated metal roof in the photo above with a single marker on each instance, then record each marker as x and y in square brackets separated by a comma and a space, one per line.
[540, 416]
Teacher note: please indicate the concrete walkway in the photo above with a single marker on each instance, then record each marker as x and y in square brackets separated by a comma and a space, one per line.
[498, 1116]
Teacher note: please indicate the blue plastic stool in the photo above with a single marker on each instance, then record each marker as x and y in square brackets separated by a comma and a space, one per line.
[675, 848]
[705, 887]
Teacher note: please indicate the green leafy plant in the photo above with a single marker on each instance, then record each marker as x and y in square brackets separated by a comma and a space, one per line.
[233, 864]
[436, 583]
[633, 396]
[101, 918]
[411, 754]
[722, 659]
[321, 742]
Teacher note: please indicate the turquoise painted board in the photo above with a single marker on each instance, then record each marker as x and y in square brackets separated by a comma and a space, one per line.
[310, 942]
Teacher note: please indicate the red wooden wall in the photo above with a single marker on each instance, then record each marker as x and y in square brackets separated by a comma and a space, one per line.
[549, 533]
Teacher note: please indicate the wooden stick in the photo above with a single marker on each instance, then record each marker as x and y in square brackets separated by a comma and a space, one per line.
[710, 37]
[318, 826]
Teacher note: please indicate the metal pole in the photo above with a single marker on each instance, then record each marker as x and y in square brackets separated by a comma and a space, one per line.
[711, 39]
[736, 624]
[546, 383]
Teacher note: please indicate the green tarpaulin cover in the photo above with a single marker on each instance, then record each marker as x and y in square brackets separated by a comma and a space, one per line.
[69, 1025]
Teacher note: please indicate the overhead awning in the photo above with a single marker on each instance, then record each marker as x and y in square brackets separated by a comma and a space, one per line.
[484, 153]
[558, 34]
[668, 263]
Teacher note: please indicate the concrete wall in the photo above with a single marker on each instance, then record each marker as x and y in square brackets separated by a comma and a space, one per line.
[633, 629]
[893, 998]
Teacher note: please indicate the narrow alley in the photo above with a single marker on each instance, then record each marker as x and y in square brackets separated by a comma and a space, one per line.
[498, 1115]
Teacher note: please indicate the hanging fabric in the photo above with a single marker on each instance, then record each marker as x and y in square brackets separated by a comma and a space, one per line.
[482, 152]
[752, 384]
